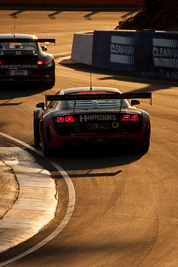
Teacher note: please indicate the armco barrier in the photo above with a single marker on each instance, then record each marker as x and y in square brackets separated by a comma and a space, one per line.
[114, 50]
[156, 54]
[73, 3]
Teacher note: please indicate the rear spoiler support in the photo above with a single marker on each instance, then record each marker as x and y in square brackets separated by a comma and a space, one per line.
[97, 96]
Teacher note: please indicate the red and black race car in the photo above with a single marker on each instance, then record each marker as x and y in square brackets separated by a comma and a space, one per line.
[91, 116]
[23, 59]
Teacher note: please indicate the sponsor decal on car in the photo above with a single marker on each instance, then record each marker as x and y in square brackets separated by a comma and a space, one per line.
[99, 117]
[115, 124]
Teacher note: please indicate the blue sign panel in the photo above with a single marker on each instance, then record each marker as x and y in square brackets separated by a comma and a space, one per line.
[114, 50]
[156, 54]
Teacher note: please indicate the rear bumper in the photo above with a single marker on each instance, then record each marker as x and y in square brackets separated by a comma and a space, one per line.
[34, 75]
[54, 141]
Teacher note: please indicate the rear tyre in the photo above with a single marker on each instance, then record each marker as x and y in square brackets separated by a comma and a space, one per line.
[36, 132]
[45, 149]
[145, 149]
[52, 82]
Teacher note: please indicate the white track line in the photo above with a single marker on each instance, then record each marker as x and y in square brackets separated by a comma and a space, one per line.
[62, 54]
[70, 208]
[59, 67]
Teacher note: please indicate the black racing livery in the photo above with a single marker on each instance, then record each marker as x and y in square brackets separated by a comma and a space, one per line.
[84, 115]
[23, 59]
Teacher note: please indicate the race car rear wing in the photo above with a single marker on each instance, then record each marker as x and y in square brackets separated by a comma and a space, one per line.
[91, 96]
[46, 40]
[21, 40]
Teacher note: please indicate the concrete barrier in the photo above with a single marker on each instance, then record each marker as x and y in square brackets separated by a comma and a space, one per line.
[22, 2]
[148, 54]
[73, 3]
[82, 48]
[94, 3]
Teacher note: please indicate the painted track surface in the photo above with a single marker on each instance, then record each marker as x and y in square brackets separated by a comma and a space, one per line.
[35, 200]
[126, 204]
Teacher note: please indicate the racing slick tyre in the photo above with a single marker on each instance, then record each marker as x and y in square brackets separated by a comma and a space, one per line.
[36, 132]
[45, 149]
[52, 82]
[145, 149]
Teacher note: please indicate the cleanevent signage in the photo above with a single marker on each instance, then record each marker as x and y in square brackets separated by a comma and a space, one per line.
[114, 50]
[165, 52]
[149, 54]
[122, 49]
[156, 54]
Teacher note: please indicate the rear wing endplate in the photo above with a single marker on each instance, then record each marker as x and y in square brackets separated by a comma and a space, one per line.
[97, 96]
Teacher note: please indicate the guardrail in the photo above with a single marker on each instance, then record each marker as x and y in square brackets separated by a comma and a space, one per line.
[148, 54]
[72, 3]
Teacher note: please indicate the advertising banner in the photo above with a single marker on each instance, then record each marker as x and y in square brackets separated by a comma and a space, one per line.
[114, 50]
[156, 54]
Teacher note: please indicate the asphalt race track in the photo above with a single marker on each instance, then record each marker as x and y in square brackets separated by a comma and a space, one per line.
[126, 209]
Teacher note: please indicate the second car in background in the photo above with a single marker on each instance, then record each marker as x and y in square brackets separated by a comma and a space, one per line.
[23, 59]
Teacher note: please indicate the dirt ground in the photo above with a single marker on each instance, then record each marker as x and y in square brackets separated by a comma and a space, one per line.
[154, 14]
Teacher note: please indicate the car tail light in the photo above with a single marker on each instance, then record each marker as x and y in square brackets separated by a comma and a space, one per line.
[69, 119]
[42, 62]
[128, 117]
[65, 119]
[0, 62]
[60, 119]
[134, 118]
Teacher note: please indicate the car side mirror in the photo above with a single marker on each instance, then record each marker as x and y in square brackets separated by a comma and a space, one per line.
[40, 105]
[44, 48]
[135, 102]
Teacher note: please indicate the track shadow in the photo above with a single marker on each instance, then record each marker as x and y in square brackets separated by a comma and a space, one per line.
[84, 158]
[154, 84]
[53, 15]
[89, 15]
[15, 14]
[15, 90]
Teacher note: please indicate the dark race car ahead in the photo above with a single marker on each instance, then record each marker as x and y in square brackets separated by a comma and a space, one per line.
[91, 116]
[22, 59]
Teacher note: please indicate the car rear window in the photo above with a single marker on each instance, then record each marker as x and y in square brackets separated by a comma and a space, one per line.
[14, 46]
[90, 104]
[94, 104]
